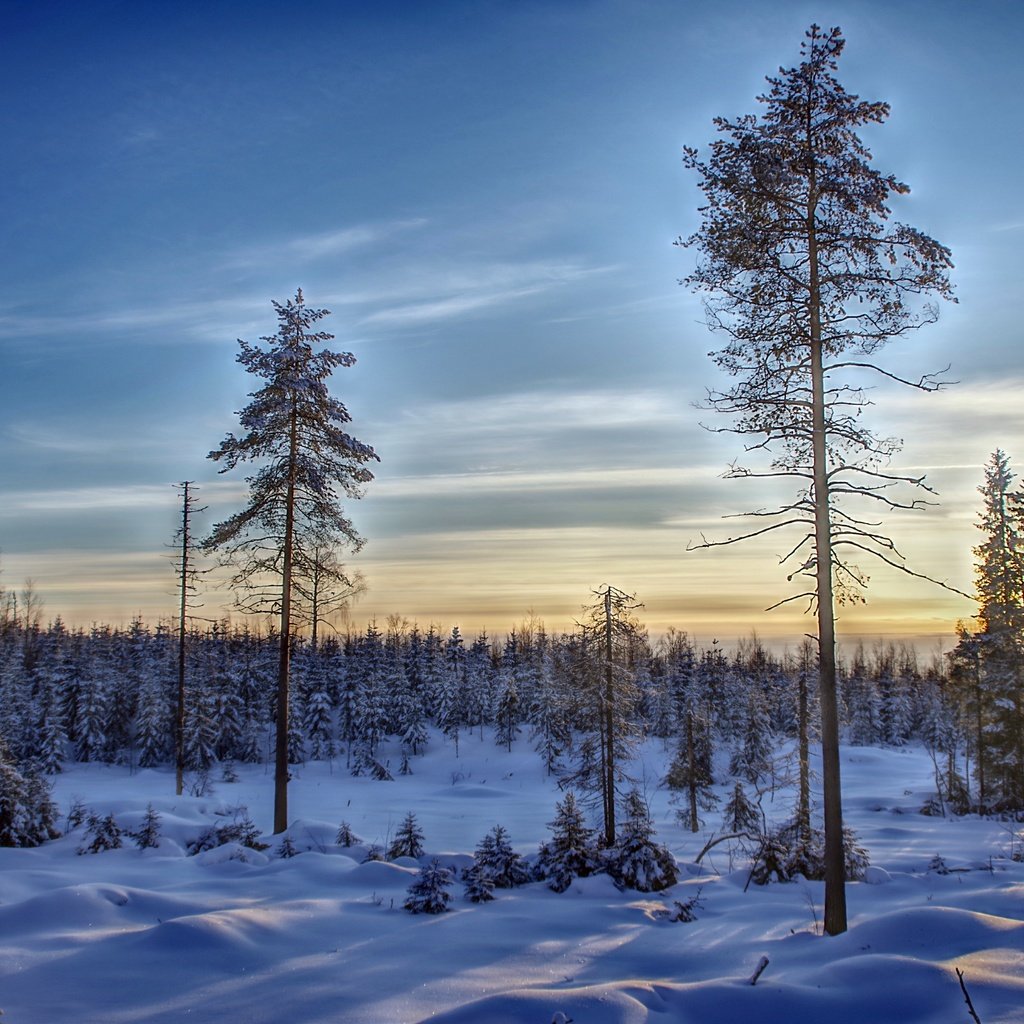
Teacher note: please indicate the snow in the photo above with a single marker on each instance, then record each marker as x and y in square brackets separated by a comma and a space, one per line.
[239, 936]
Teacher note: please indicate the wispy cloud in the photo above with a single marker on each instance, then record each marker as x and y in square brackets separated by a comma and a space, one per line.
[450, 292]
[564, 409]
[85, 499]
[311, 248]
[491, 483]
[75, 439]
[112, 497]
[215, 315]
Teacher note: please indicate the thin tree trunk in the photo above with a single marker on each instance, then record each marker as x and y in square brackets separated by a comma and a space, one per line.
[284, 660]
[609, 713]
[835, 875]
[979, 753]
[179, 716]
[803, 726]
[691, 765]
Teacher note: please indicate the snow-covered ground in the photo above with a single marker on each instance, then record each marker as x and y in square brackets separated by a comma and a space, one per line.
[158, 936]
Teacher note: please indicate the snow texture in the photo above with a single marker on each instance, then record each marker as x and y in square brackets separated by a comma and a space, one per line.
[155, 936]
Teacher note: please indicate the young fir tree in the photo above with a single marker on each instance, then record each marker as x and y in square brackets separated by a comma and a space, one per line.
[429, 893]
[740, 815]
[346, 837]
[101, 834]
[408, 841]
[286, 849]
[690, 773]
[479, 886]
[572, 851]
[807, 280]
[495, 860]
[148, 835]
[751, 759]
[295, 430]
[637, 861]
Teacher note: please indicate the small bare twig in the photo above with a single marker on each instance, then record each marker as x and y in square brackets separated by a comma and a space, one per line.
[967, 996]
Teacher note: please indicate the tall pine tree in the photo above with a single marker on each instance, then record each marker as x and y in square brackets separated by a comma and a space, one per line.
[295, 429]
[807, 280]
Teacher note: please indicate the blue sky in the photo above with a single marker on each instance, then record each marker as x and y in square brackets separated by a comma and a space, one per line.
[485, 195]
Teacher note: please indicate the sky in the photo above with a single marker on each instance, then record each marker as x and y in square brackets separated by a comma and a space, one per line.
[486, 196]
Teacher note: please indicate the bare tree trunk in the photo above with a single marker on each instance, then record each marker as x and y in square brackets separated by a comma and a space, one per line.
[692, 768]
[803, 727]
[609, 716]
[179, 716]
[979, 752]
[835, 875]
[284, 660]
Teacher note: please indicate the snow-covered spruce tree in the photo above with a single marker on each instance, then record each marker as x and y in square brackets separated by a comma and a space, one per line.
[294, 428]
[480, 682]
[408, 841]
[807, 280]
[346, 837]
[429, 893]
[988, 663]
[751, 758]
[479, 887]
[690, 775]
[450, 710]
[286, 849]
[572, 851]
[148, 835]
[101, 834]
[637, 861]
[28, 815]
[495, 860]
[795, 848]
[740, 815]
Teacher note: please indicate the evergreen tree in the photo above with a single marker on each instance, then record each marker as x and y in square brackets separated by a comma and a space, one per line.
[286, 849]
[154, 725]
[637, 861]
[450, 710]
[408, 841]
[346, 837]
[506, 712]
[807, 280]
[200, 729]
[495, 860]
[295, 428]
[988, 664]
[479, 885]
[751, 760]
[28, 815]
[571, 852]
[691, 772]
[148, 835]
[429, 893]
[101, 834]
[739, 814]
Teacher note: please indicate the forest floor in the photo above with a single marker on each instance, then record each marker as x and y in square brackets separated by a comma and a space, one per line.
[235, 936]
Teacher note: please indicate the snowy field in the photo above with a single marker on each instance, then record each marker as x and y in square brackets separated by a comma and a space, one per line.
[234, 936]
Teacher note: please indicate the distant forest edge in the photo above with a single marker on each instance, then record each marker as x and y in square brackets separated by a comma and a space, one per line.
[370, 699]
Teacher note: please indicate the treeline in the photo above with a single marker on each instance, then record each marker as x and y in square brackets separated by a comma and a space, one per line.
[109, 695]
